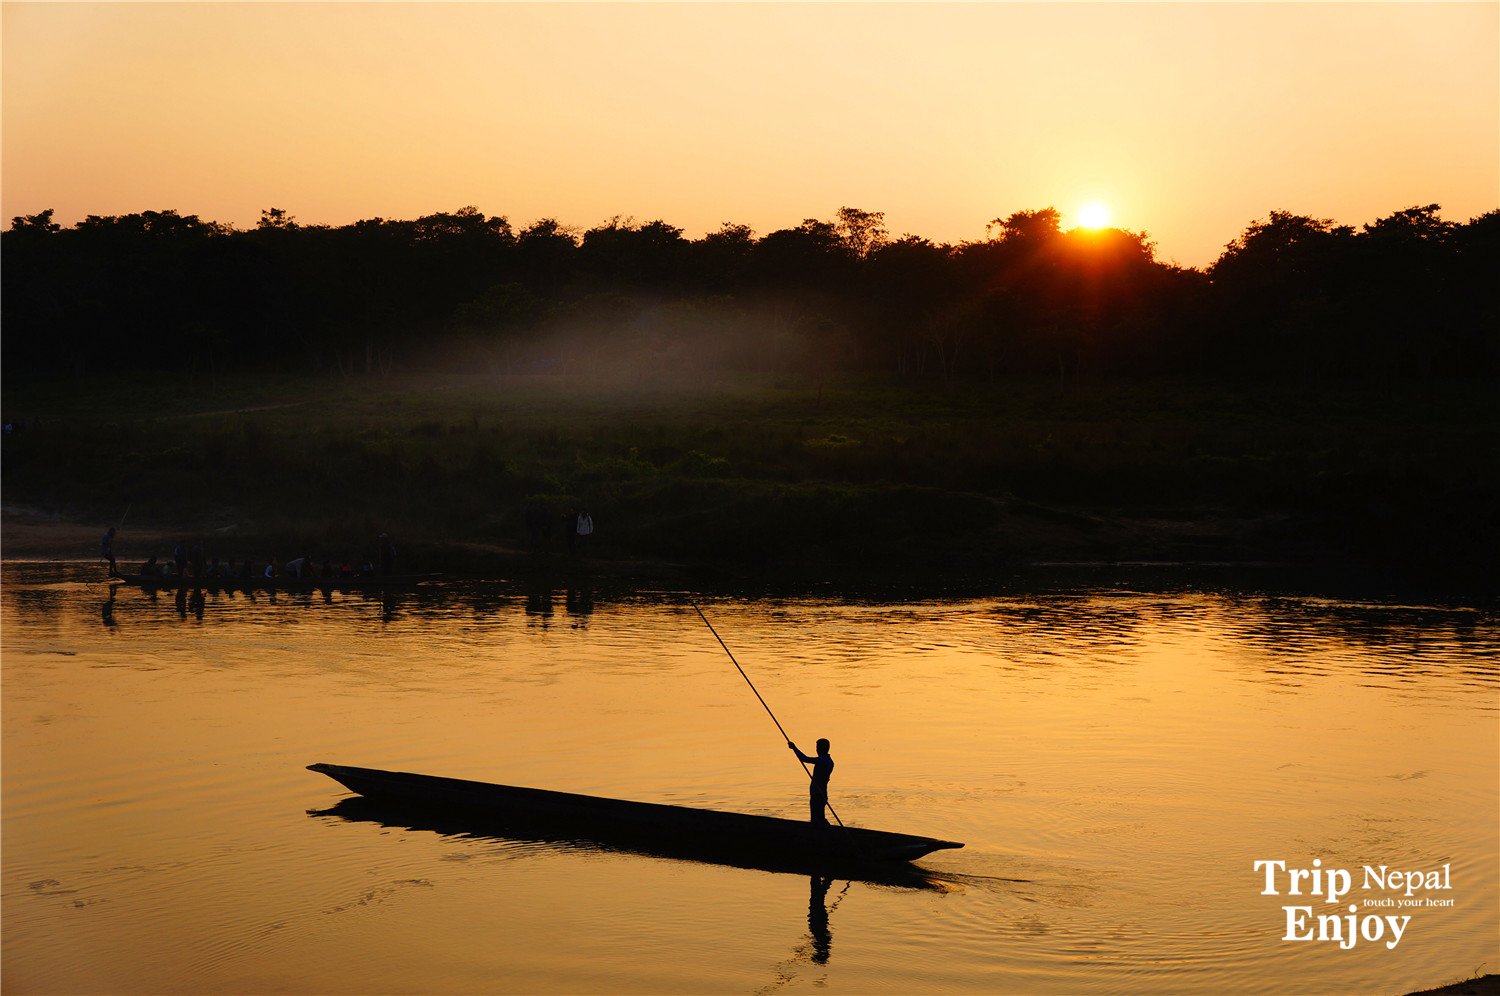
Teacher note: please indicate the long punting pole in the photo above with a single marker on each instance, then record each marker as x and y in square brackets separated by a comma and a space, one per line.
[757, 695]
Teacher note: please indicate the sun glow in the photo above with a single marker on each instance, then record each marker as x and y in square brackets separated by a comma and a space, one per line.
[1093, 215]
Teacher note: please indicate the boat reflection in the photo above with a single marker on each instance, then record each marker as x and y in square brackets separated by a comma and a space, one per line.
[396, 815]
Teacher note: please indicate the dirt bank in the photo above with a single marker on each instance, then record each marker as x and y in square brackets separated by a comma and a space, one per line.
[1484, 985]
[36, 534]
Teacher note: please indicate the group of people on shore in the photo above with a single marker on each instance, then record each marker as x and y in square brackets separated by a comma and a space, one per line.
[188, 561]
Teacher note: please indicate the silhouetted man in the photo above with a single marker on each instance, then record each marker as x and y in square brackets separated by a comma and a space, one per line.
[817, 790]
[107, 549]
[584, 527]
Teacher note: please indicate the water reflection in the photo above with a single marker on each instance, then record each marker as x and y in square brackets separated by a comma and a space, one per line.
[539, 598]
[1282, 639]
[513, 828]
[189, 601]
[818, 948]
[39, 607]
[1126, 750]
[817, 917]
[579, 602]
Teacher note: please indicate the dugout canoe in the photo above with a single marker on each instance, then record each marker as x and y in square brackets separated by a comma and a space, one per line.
[355, 583]
[645, 825]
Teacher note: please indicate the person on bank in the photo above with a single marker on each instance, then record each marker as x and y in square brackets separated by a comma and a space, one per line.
[107, 550]
[584, 527]
[817, 790]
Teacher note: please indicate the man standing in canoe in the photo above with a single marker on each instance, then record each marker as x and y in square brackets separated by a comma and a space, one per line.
[817, 790]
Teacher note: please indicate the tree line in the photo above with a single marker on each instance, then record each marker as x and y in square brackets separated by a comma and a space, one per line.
[1408, 296]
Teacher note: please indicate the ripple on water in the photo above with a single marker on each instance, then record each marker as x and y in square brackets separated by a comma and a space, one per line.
[1115, 761]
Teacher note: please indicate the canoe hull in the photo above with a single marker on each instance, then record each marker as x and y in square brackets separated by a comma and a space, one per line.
[634, 824]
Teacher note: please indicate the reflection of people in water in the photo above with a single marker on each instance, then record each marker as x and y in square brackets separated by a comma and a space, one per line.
[538, 597]
[579, 600]
[817, 919]
[817, 790]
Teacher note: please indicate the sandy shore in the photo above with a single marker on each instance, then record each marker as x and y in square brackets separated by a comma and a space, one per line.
[1484, 985]
[32, 534]
[27, 534]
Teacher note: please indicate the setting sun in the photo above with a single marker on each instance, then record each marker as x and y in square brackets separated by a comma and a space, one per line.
[1093, 215]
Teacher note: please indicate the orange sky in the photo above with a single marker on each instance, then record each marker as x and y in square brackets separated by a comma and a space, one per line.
[1187, 120]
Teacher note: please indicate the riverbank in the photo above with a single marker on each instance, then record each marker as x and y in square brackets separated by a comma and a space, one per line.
[29, 535]
[761, 477]
[1484, 985]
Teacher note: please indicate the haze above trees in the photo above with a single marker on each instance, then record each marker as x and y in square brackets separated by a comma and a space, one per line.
[1407, 296]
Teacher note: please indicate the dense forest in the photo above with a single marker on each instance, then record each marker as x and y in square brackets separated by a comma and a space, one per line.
[1406, 297]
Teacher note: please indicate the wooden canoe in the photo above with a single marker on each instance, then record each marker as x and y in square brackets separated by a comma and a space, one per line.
[638, 825]
[355, 583]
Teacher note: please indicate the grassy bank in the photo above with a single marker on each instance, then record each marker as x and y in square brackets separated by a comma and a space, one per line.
[764, 475]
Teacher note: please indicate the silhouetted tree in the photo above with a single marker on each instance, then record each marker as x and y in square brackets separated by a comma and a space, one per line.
[1277, 282]
[545, 256]
[35, 224]
[905, 284]
[624, 256]
[1407, 295]
[276, 218]
[861, 232]
[721, 260]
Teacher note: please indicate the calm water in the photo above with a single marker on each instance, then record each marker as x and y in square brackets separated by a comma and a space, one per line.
[1116, 761]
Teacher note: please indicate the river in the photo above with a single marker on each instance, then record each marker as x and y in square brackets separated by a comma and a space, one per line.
[1116, 752]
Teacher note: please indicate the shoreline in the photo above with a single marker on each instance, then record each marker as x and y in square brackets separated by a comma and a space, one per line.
[31, 534]
[1482, 985]
[748, 480]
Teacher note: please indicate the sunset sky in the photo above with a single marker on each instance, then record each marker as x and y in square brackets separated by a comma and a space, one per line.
[1186, 120]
